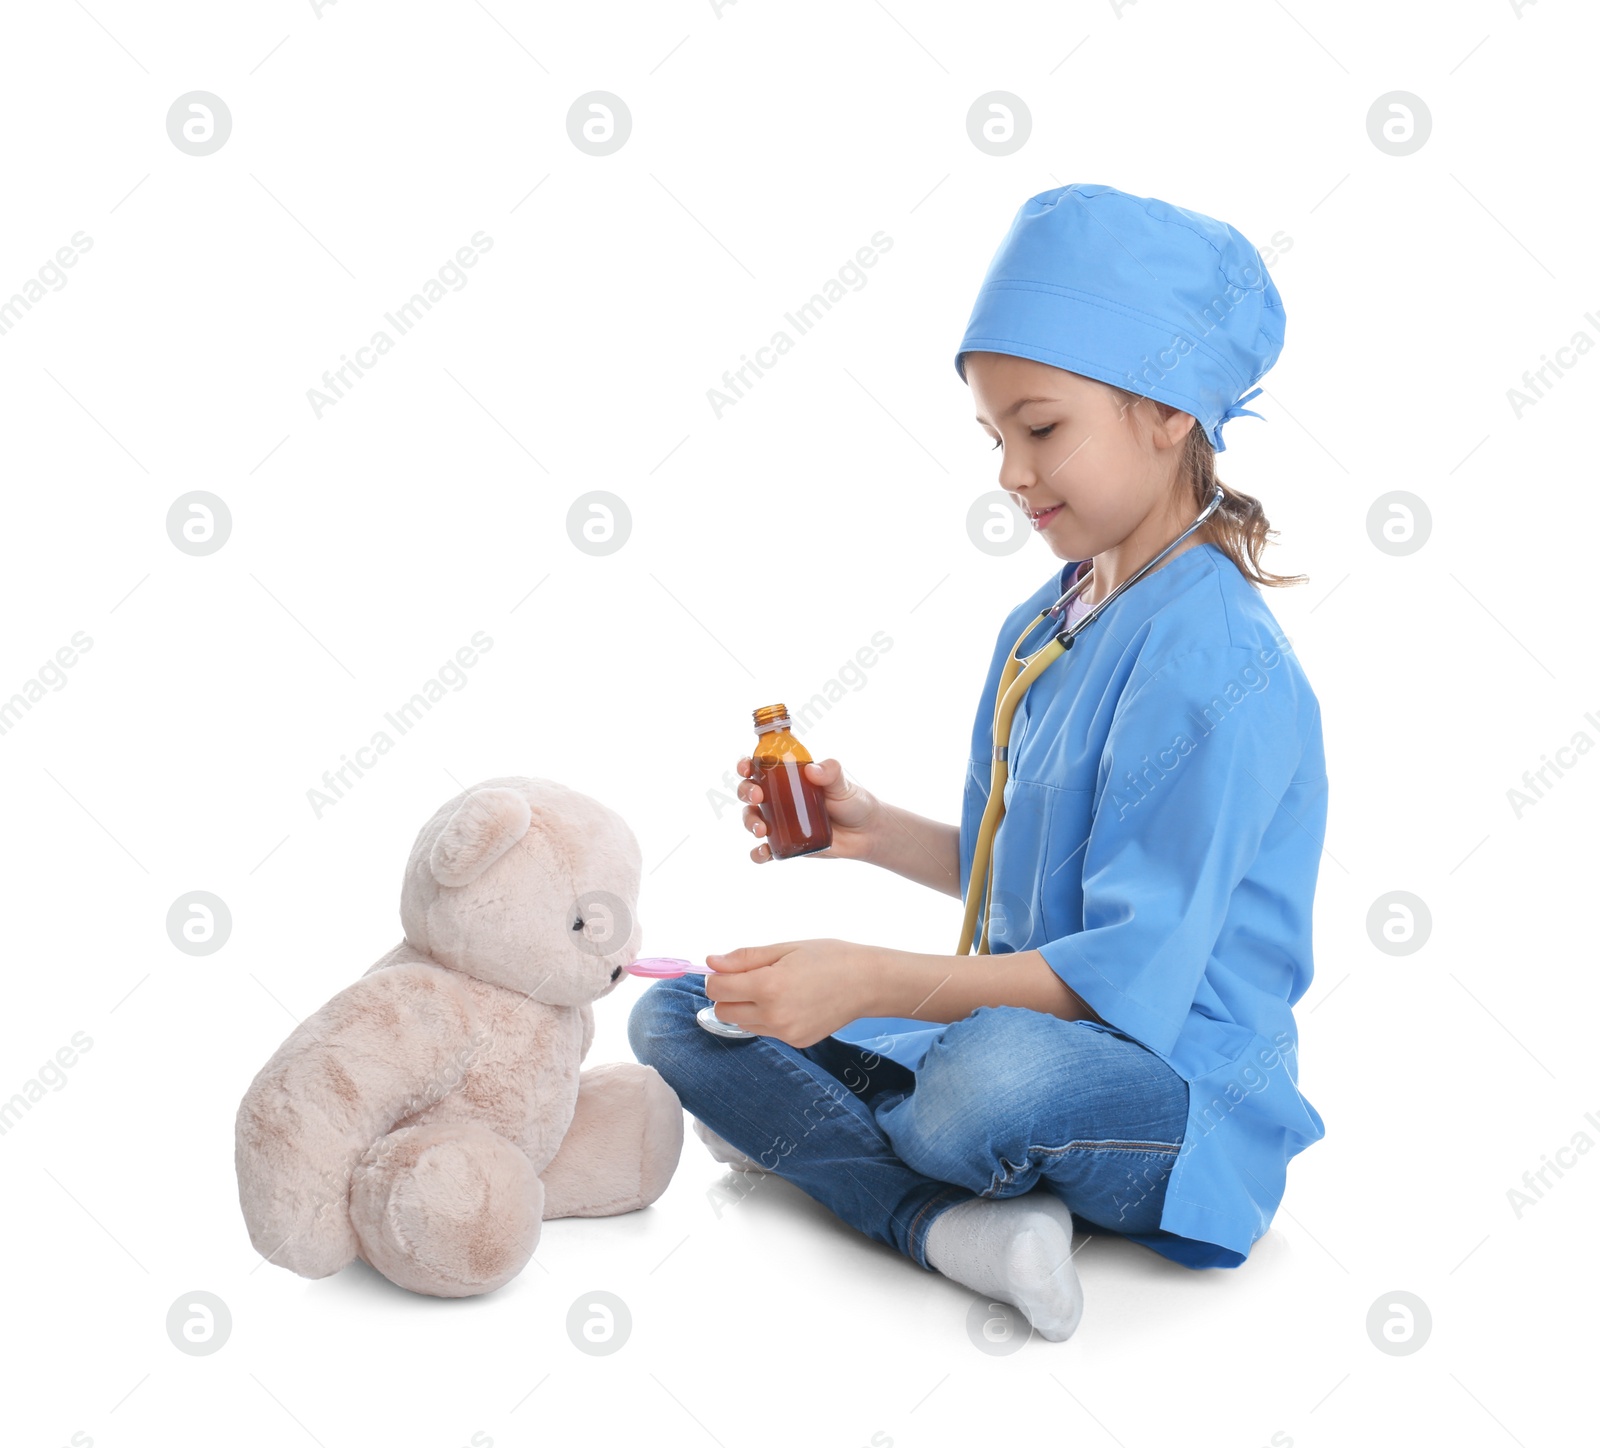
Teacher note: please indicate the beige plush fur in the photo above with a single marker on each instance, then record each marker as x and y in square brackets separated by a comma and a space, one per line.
[431, 1115]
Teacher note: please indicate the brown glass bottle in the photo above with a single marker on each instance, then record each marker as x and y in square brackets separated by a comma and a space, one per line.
[793, 808]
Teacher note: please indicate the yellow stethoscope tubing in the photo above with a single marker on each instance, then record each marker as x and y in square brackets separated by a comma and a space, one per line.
[1015, 679]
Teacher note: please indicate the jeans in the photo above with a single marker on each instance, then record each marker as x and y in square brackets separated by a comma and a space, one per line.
[1006, 1101]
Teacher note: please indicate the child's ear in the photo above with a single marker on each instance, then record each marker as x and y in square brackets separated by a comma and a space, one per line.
[486, 824]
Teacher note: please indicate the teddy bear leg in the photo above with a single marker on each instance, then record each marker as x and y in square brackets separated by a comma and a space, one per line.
[446, 1209]
[622, 1147]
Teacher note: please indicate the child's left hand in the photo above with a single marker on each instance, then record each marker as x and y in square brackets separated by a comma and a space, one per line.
[799, 991]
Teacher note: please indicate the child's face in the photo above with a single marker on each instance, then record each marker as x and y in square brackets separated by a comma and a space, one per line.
[1086, 475]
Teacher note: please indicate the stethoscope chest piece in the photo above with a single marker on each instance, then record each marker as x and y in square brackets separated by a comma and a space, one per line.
[707, 1017]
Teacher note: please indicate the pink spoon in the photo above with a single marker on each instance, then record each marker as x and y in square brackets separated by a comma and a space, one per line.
[665, 967]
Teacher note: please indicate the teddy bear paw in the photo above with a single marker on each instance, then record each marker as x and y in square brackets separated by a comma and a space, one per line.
[450, 1210]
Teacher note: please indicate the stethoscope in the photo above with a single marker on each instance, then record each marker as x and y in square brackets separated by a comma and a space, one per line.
[1016, 678]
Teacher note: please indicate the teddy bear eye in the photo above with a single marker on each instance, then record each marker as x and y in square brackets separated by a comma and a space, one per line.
[578, 924]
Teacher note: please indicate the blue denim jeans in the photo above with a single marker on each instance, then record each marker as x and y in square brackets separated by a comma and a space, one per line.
[1006, 1101]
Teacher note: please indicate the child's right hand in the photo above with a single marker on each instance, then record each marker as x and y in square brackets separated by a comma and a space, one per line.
[853, 814]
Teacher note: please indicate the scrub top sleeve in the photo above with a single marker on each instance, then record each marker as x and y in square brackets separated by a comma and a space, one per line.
[1195, 764]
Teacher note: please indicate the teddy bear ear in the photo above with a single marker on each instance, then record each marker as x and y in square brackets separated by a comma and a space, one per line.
[486, 824]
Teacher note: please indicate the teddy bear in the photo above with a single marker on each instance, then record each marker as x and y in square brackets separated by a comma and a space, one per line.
[434, 1113]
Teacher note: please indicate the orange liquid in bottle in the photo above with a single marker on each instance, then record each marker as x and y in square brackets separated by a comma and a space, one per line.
[795, 813]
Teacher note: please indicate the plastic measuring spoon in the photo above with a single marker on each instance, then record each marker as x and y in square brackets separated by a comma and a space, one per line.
[665, 967]
[669, 967]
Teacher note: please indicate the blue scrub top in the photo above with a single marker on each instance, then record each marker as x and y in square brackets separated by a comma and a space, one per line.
[1164, 823]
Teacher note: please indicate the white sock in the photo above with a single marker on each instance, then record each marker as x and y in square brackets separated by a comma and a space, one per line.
[1015, 1249]
[724, 1151]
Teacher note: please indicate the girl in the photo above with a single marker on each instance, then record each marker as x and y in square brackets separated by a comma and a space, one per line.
[1122, 1050]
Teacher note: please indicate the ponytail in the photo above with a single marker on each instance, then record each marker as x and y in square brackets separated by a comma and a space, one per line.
[1239, 526]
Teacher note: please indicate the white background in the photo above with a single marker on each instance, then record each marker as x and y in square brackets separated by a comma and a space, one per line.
[768, 144]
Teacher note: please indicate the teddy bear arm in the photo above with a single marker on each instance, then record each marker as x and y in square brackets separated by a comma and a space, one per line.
[387, 1046]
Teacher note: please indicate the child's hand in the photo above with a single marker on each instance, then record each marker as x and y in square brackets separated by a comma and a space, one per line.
[798, 992]
[854, 815]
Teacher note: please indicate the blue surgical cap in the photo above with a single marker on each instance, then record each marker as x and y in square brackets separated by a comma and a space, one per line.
[1133, 291]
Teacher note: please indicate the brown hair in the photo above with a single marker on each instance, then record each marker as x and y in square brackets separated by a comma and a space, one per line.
[1239, 526]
